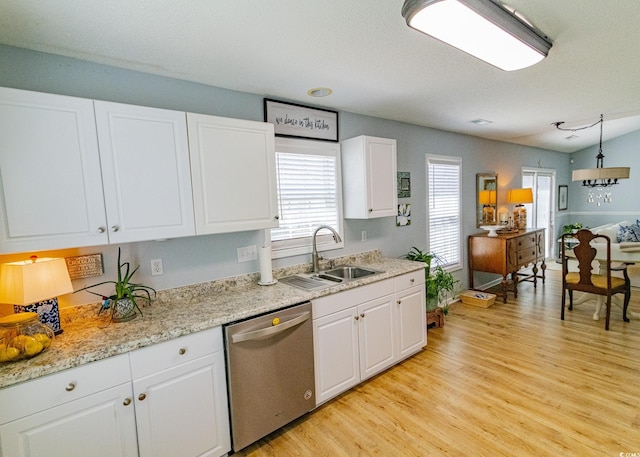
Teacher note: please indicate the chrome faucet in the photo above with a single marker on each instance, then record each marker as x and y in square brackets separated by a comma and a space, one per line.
[314, 252]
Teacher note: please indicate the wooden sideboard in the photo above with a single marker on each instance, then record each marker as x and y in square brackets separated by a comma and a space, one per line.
[506, 254]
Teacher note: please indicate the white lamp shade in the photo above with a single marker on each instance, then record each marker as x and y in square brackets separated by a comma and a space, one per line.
[25, 282]
[592, 174]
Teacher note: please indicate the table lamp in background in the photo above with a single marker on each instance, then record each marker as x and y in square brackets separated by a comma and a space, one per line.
[520, 197]
[34, 286]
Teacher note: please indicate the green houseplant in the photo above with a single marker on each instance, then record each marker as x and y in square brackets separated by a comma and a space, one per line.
[439, 283]
[123, 302]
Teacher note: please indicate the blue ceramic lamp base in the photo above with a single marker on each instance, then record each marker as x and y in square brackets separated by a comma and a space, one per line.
[47, 310]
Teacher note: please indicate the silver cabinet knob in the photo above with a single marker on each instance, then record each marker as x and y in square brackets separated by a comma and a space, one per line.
[101, 229]
[399, 301]
[70, 386]
[412, 280]
[356, 317]
[141, 397]
[115, 228]
[127, 401]
[182, 351]
[276, 217]
[362, 315]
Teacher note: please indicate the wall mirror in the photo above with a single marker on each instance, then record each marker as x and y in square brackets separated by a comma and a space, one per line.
[487, 198]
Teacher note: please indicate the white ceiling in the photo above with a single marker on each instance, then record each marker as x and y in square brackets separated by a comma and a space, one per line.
[364, 51]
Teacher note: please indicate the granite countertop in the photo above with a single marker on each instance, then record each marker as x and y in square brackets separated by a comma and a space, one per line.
[176, 312]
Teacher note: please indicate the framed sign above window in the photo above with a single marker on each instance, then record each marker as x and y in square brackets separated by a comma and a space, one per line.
[299, 121]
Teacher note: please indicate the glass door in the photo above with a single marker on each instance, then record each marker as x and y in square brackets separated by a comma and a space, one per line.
[540, 212]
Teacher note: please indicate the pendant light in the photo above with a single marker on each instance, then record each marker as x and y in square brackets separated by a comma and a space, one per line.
[600, 177]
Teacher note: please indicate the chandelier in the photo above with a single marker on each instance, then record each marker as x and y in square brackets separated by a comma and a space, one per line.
[600, 177]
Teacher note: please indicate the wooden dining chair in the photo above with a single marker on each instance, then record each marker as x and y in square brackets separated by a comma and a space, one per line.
[584, 280]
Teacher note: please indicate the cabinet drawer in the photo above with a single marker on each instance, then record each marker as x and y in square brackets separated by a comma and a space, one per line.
[174, 352]
[333, 303]
[526, 255]
[409, 280]
[526, 241]
[43, 393]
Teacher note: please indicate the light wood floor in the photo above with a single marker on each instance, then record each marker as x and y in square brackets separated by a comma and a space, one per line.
[510, 380]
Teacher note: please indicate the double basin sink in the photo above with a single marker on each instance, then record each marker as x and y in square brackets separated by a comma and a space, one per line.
[328, 278]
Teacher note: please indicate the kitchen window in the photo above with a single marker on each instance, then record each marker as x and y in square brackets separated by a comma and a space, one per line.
[444, 209]
[309, 195]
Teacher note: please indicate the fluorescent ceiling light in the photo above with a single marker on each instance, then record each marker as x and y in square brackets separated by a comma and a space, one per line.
[482, 28]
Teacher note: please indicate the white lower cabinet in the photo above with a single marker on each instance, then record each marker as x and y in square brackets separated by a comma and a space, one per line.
[84, 411]
[168, 399]
[360, 332]
[411, 314]
[180, 396]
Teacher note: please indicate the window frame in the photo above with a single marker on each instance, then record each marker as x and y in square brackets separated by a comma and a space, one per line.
[325, 241]
[449, 160]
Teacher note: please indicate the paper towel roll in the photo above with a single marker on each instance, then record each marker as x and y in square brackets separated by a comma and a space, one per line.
[266, 273]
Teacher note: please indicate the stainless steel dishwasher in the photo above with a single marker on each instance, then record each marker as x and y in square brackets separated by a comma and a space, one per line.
[270, 372]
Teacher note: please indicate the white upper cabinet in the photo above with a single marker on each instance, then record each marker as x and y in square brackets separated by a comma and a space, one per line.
[233, 174]
[144, 153]
[369, 177]
[50, 183]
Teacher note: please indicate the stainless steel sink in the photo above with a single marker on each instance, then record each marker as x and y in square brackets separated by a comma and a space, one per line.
[328, 278]
[349, 272]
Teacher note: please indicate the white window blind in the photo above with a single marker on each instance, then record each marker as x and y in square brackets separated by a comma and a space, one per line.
[444, 217]
[309, 193]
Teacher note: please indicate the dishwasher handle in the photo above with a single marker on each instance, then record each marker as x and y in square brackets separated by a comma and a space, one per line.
[269, 331]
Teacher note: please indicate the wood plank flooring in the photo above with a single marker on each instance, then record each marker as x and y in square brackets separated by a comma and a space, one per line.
[509, 380]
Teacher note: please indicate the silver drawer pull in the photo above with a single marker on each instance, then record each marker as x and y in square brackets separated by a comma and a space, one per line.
[70, 386]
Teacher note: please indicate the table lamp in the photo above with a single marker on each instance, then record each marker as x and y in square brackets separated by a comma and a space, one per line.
[520, 197]
[34, 286]
[488, 201]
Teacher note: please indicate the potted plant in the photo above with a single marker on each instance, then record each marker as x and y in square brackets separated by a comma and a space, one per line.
[123, 302]
[571, 228]
[439, 284]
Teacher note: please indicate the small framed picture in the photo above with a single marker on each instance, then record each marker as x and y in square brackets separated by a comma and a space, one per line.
[404, 184]
[563, 197]
[404, 215]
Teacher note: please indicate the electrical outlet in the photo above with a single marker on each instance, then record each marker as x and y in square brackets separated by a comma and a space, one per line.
[156, 267]
[247, 253]
[364, 235]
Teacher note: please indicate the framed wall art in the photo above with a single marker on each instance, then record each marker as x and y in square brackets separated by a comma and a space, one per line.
[299, 121]
[563, 197]
[404, 184]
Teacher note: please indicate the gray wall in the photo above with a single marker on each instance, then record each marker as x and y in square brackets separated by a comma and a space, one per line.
[197, 259]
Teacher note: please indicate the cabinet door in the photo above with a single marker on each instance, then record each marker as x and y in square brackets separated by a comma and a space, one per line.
[382, 176]
[412, 321]
[144, 154]
[376, 336]
[234, 174]
[369, 177]
[335, 343]
[98, 425]
[50, 182]
[183, 410]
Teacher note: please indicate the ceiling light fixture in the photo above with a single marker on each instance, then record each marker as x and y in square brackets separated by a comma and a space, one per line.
[599, 177]
[483, 28]
[319, 92]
